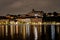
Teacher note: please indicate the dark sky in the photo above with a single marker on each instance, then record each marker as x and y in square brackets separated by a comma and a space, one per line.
[25, 6]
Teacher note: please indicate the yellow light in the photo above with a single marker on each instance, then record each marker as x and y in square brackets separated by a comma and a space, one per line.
[53, 23]
[58, 23]
[27, 23]
[33, 23]
[3, 23]
[39, 23]
[44, 23]
[12, 22]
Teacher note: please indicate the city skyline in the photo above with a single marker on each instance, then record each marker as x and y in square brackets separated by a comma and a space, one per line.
[36, 25]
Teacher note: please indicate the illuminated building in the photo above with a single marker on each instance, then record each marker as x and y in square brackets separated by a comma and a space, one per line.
[34, 25]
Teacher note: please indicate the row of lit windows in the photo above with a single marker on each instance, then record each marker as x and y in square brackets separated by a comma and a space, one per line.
[32, 23]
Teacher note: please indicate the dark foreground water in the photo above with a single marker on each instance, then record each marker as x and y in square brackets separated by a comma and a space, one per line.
[31, 37]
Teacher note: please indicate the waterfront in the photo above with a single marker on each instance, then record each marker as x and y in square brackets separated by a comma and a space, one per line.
[35, 25]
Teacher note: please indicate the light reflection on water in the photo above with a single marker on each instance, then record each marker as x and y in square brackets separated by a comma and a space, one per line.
[35, 31]
[53, 32]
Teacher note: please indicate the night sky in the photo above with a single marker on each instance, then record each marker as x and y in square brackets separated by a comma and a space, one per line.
[25, 6]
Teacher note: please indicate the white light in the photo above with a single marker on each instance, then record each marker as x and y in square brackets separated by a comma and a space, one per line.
[35, 33]
[16, 22]
[36, 14]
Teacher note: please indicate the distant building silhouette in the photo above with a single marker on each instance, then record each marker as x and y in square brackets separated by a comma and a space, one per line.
[35, 25]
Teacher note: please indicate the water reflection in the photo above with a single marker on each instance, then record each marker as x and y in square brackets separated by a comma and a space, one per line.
[35, 33]
[53, 32]
[27, 31]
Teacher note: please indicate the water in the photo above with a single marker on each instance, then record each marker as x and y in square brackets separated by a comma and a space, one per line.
[35, 33]
[53, 32]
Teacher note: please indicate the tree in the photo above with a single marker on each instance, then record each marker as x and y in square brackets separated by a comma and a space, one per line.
[55, 13]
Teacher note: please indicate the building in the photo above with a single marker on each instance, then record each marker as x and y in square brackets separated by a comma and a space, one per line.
[34, 25]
